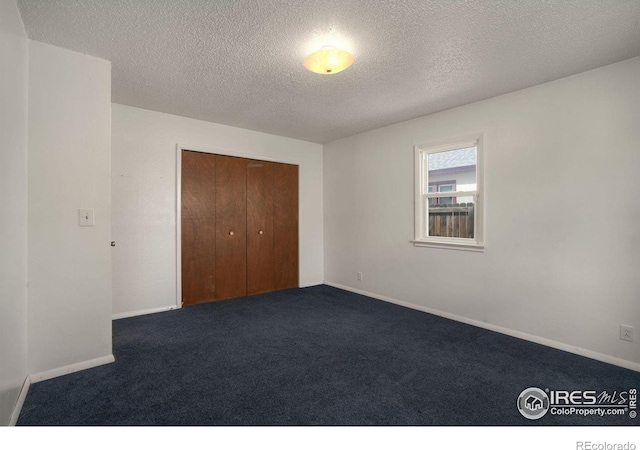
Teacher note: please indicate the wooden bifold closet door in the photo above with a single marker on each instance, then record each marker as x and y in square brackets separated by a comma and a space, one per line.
[285, 224]
[260, 237]
[239, 227]
[231, 227]
[198, 227]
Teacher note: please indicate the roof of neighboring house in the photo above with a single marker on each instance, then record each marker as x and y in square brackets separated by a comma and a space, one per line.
[452, 159]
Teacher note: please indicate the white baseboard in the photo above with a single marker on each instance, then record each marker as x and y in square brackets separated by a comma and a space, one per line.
[141, 312]
[311, 283]
[509, 332]
[18, 408]
[71, 368]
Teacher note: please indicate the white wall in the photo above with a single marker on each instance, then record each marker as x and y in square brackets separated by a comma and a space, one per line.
[69, 168]
[13, 207]
[144, 199]
[563, 254]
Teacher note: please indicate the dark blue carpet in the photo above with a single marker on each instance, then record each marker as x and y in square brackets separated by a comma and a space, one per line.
[309, 356]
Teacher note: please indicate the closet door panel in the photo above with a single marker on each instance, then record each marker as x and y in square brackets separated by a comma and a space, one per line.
[285, 220]
[231, 227]
[198, 227]
[260, 244]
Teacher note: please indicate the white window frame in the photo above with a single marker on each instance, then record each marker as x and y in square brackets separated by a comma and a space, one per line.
[421, 230]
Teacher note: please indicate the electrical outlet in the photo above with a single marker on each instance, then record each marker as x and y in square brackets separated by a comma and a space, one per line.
[626, 333]
[359, 276]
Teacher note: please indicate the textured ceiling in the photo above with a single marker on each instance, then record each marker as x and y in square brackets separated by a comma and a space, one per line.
[239, 62]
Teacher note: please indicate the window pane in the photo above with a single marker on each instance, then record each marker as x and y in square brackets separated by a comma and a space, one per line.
[445, 188]
[451, 217]
[453, 168]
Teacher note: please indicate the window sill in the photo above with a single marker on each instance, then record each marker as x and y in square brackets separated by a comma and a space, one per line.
[469, 247]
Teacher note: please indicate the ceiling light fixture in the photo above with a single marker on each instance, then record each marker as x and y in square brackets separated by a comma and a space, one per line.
[328, 60]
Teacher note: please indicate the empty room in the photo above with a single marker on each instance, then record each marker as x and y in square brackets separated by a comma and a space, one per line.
[245, 212]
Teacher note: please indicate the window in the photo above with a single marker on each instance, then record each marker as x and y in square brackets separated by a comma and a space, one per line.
[448, 197]
[442, 186]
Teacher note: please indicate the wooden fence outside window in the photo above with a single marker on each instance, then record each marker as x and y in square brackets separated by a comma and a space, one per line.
[454, 220]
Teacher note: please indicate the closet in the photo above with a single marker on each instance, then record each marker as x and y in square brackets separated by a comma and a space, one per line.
[239, 226]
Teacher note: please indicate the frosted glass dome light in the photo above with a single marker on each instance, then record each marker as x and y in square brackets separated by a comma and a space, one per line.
[328, 60]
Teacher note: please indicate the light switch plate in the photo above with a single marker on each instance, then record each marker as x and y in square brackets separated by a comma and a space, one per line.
[86, 217]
